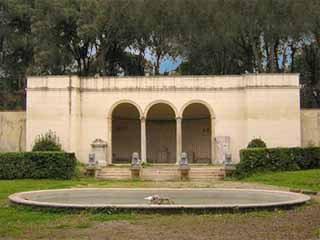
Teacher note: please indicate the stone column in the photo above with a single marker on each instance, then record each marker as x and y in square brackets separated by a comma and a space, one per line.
[179, 138]
[213, 141]
[143, 141]
[109, 152]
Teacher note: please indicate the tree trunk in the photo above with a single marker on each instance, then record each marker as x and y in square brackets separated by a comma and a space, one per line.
[293, 57]
[157, 66]
[257, 55]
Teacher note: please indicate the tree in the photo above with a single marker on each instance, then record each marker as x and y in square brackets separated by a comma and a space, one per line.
[308, 59]
[67, 27]
[161, 32]
[16, 50]
[112, 37]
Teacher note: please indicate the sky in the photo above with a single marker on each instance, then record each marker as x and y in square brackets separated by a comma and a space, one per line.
[168, 64]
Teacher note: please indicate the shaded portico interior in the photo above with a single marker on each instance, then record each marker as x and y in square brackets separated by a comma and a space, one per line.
[161, 134]
[196, 133]
[126, 137]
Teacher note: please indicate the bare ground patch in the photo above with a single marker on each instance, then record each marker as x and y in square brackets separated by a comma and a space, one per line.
[297, 224]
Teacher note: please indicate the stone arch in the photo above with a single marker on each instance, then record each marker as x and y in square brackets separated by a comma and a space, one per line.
[198, 131]
[116, 104]
[150, 105]
[161, 144]
[212, 115]
[125, 131]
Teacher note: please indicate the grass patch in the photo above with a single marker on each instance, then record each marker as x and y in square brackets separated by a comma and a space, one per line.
[62, 226]
[84, 225]
[16, 221]
[100, 217]
[307, 180]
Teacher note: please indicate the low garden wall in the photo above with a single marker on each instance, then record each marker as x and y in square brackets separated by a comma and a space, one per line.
[53, 165]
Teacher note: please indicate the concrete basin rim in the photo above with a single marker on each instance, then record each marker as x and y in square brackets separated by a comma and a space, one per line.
[17, 198]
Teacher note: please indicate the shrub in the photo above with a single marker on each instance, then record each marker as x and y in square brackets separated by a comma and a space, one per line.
[255, 160]
[47, 142]
[257, 143]
[54, 165]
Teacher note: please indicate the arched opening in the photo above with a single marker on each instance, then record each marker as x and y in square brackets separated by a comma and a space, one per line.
[196, 133]
[126, 135]
[161, 134]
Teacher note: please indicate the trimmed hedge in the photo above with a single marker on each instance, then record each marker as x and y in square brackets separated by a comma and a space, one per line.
[53, 165]
[276, 159]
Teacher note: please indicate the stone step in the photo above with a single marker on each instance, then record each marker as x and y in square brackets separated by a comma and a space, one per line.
[108, 177]
[114, 174]
[206, 170]
[163, 173]
[206, 174]
[117, 176]
[212, 172]
[211, 175]
[160, 172]
[124, 173]
[112, 171]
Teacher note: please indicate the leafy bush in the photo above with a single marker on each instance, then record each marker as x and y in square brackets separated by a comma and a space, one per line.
[54, 165]
[47, 142]
[255, 160]
[80, 170]
[257, 143]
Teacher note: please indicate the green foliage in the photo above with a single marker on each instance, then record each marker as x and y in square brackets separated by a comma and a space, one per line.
[12, 100]
[88, 37]
[79, 170]
[47, 142]
[16, 50]
[53, 165]
[257, 143]
[276, 159]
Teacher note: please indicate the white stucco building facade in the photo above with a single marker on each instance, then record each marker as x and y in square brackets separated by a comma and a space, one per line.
[160, 117]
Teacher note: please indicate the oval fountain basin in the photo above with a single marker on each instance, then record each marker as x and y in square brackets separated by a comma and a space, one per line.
[134, 199]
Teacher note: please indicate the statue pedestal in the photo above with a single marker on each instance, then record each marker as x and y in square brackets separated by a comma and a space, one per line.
[184, 172]
[99, 149]
[135, 172]
[92, 171]
[135, 166]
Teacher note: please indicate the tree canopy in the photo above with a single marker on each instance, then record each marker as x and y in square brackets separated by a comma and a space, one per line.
[117, 37]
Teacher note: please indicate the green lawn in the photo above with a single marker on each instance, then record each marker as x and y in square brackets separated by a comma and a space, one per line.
[307, 180]
[25, 223]
[14, 221]
[17, 221]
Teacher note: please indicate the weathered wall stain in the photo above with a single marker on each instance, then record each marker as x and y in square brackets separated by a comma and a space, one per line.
[310, 127]
[12, 131]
